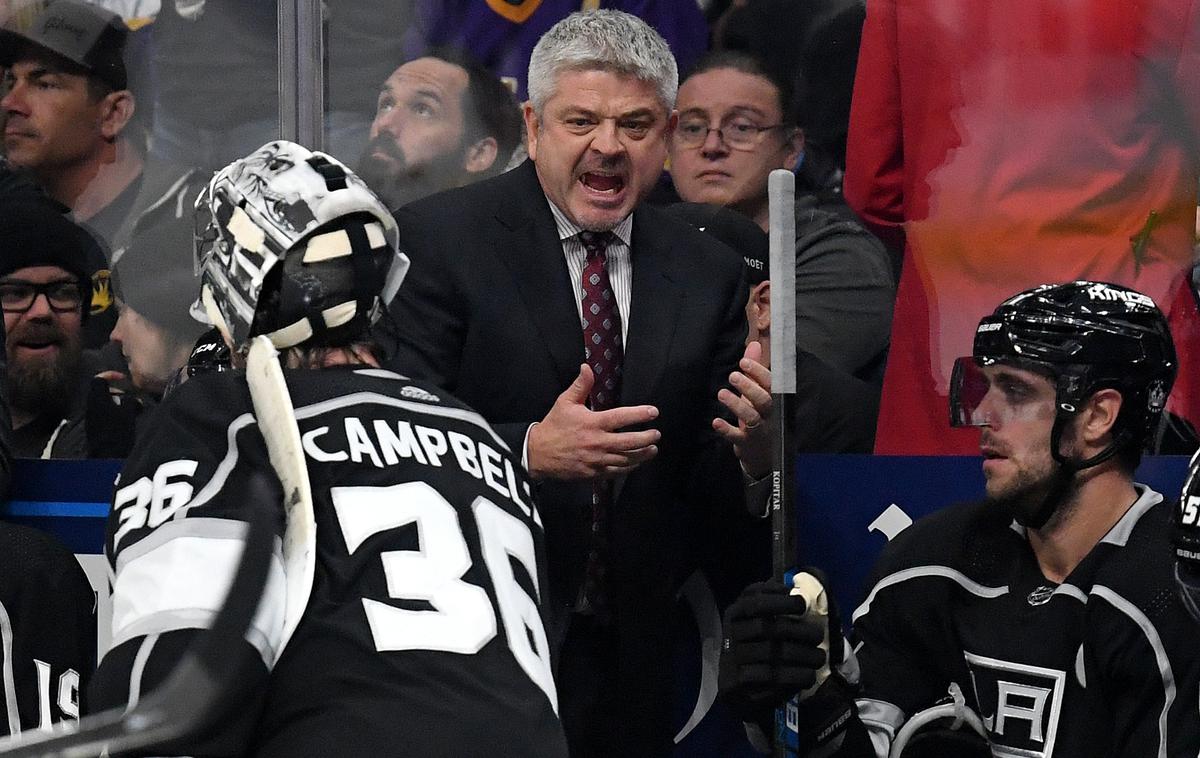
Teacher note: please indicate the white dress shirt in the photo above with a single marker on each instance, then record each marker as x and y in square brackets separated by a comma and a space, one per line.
[619, 265]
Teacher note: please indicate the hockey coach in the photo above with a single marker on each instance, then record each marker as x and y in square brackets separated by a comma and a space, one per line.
[1045, 616]
[596, 333]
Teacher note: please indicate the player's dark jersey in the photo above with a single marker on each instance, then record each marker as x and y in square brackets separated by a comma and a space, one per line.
[1104, 664]
[422, 633]
[47, 630]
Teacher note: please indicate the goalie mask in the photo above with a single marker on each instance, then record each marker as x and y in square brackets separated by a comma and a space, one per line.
[1185, 539]
[1085, 336]
[290, 243]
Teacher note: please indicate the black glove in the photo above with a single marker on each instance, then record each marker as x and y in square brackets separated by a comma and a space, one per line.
[771, 651]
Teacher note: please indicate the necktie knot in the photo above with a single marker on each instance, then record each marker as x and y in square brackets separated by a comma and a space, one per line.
[595, 243]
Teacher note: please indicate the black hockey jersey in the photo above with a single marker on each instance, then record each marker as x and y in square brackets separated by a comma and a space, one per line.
[422, 634]
[1104, 664]
[47, 630]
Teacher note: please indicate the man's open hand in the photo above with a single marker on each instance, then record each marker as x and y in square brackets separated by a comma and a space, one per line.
[573, 442]
[751, 405]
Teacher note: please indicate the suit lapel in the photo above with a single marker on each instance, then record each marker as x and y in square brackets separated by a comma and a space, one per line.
[528, 244]
[654, 309]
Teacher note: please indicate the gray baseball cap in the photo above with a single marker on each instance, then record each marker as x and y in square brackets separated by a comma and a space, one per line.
[86, 35]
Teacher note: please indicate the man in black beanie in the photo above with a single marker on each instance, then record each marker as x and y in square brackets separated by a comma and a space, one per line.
[45, 293]
[156, 285]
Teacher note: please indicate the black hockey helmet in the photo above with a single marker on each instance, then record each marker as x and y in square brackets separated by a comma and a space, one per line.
[1087, 336]
[290, 243]
[1185, 539]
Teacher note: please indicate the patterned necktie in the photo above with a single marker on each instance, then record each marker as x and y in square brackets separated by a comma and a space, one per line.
[604, 354]
[601, 323]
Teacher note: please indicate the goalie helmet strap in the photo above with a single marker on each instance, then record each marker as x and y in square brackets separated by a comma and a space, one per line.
[367, 283]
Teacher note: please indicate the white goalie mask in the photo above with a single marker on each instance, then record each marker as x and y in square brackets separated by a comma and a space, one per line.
[292, 244]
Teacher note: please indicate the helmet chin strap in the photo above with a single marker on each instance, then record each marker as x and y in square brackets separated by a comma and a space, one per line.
[1072, 466]
[1064, 475]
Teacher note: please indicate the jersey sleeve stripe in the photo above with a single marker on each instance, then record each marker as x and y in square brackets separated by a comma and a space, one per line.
[180, 582]
[918, 572]
[1160, 655]
[208, 528]
[10, 685]
[224, 468]
[138, 667]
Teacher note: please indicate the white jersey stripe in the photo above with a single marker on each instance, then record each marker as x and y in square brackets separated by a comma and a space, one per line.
[919, 572]
[10, 685]
[138, 668]
[181, 583]
[1160, 656]
[224, 468]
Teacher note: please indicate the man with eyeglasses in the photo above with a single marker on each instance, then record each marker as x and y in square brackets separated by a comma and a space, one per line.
[737, 123]
[45, 291]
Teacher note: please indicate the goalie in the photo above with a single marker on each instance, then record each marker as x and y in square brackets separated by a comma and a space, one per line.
[403, 608]
[1046, 616]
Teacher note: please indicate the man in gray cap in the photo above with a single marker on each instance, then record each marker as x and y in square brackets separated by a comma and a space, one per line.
[66, 105]
[45, 292]
[68, 123]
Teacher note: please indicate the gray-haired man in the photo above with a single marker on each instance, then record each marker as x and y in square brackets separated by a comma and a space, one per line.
[510, 277]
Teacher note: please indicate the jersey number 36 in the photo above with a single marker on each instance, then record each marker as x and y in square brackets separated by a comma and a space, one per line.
[461, 619]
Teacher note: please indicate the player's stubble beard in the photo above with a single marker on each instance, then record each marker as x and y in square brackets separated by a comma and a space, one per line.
[396, 182]
[45, 387]
[1042, 498]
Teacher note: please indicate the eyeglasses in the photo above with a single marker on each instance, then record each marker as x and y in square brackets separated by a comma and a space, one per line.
[738, 133]
[18, 295]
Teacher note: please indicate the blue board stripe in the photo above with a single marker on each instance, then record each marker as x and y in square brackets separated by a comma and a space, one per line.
[42, 508]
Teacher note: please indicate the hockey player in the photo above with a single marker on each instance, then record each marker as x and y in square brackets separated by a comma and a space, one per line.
[419, 631]
[1047, 611]
[1186, 540]
[48, 627]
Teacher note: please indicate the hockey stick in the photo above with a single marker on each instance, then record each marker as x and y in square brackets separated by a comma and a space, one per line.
[197, 690]
[277, 423]
[781, 192]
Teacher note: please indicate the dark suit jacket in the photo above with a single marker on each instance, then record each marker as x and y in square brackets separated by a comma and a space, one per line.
[488, 312]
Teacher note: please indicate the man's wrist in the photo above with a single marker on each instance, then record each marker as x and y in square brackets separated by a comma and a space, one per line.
[526, 458]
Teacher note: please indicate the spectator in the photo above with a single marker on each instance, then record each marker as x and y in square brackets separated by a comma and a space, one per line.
[156, 284]
[835, 411]
[443, 121]
[503, 290]
[69, 126]
[1049, 608]
[735, 127]
[985, 133]
[67, 109]
[44, 292]
[155, 333]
